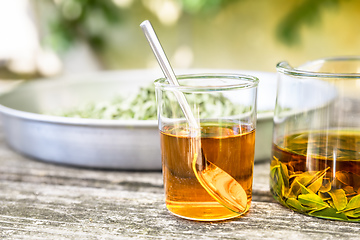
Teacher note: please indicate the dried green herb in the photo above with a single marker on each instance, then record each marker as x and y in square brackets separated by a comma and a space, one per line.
[142, 106]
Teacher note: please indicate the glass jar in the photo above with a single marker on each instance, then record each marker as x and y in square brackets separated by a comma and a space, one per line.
[315, 166]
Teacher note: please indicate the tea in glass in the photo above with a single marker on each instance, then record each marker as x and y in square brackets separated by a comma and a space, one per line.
[227, 121]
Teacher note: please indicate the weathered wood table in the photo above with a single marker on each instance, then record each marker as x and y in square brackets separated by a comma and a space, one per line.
[45, 201]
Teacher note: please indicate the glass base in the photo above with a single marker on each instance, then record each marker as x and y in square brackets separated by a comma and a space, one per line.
[209, 211]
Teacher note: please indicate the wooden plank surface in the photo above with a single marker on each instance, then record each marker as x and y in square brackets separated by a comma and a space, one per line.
[46, 201]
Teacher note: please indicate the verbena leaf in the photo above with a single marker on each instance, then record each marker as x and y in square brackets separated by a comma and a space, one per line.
[309, 178]
[273, 171]
[277, 181]
[312, 200]
[324, 196]
[326, 185]
[305, 190]
[304, 179]
[280, 182]
[343, 177]
[318, 175]
[329, 213]
[285, 174]
[294, 203]
[331, 203]
[315, 186]
[339, 198]
[294, 189]
[349, 191]
[282, 200]
[353, 203]
[355, 213]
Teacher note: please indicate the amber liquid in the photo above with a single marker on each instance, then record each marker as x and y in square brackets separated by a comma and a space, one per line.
[229, 146]
[324, 162]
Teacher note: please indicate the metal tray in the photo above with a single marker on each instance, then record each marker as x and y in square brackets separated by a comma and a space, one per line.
[107, 144]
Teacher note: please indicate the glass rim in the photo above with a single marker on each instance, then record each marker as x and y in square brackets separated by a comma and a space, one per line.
[285, 68]
[247, 81]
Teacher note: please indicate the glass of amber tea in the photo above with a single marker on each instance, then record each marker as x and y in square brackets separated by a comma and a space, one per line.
[224, 106]
[315, 166]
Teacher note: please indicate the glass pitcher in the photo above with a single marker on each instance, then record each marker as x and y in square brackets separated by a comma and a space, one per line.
[315, 165]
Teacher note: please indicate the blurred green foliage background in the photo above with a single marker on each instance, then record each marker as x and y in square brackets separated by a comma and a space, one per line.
[226, 34]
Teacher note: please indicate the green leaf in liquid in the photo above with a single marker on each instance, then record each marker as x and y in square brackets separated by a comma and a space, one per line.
[355, 213]
[353, 203]
[273, 171]
[331, 203]
[328, 213]
[277, 181]
[319, 174]
[294, 189]
[295, 204]
[343, 177]
[316, 185]
[305, 190]
[349, 191]
[326, 186]
[324, 196]
[339, 198]
[280, 179]
[285, 174]
[304, 178]
[312, 200]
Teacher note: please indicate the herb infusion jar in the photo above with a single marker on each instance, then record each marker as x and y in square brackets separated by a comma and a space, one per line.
[315, 166]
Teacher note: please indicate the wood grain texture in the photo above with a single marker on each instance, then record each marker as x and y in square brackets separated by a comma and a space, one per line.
[46, 201]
